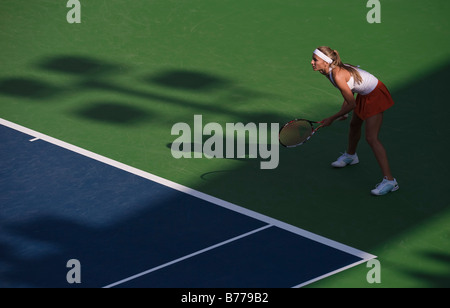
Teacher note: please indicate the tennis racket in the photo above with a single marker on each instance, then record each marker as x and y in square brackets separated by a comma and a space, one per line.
[297, 132]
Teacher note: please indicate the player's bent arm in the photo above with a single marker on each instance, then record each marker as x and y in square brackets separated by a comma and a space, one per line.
[345, 116]
[349, 98]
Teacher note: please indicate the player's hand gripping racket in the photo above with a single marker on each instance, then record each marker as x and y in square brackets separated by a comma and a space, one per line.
[297, 132]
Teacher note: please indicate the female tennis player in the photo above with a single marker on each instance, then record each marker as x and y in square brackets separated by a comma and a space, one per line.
[372, 99]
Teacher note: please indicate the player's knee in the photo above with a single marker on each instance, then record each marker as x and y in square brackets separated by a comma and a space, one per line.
[372, 140]
[355, 125]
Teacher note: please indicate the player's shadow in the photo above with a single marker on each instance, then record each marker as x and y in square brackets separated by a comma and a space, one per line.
[241, 152]
[236, 141]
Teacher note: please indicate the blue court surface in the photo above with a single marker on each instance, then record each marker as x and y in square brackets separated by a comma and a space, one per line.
[129, 228]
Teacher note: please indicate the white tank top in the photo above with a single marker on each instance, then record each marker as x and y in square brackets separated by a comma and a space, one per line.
[368, 84]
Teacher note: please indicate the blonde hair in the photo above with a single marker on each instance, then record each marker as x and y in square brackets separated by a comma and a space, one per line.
[334, 55]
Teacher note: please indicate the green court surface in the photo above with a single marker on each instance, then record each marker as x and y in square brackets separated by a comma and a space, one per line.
[117, 82]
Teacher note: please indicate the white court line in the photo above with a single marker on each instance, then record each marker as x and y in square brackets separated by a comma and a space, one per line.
[329, 274]
[186, 257]
[269, 220]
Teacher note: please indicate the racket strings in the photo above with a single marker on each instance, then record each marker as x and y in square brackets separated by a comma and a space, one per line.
[295, 133]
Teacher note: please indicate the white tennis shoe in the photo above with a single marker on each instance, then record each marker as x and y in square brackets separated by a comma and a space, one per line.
[385, 187]
[345, 160]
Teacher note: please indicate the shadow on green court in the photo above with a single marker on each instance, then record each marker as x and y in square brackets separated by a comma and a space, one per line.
[90, 74]
[188, 80]
[28, 88]
[304, 190]
[433, 279]
[336, 203]
[114, 112]
[85, 67]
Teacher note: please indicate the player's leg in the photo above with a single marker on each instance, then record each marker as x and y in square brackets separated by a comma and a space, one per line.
[389, 183]
[354, 134]
[373, 126]
[350, 157]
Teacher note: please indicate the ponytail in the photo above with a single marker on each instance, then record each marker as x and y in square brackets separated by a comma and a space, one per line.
[337, 62]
